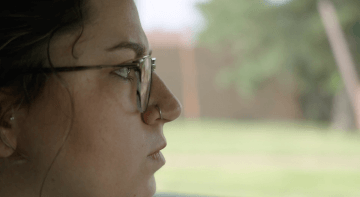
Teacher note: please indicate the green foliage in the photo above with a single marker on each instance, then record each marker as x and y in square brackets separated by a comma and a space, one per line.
[268, 40]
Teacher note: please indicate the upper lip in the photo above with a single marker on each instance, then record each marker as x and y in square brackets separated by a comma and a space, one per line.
[162, 146]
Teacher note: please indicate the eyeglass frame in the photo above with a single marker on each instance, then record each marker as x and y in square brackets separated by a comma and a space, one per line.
[136, 65]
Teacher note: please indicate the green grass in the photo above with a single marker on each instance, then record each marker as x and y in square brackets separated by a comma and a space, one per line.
[230, 158]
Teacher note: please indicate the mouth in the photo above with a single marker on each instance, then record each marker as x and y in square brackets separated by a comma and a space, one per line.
[155, 155]
[156, 152]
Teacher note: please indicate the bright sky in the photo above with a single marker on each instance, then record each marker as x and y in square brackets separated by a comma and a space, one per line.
[169, 15]
[175, 15]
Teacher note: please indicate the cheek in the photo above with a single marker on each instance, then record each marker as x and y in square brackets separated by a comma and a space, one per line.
[106, 113]
[106, 141]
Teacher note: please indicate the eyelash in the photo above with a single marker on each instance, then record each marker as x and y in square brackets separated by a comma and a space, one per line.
[131, 79]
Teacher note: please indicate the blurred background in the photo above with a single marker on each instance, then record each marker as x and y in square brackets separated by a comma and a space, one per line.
[270, 95]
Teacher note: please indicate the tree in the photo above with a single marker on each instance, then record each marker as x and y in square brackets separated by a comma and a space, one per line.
[268, 41]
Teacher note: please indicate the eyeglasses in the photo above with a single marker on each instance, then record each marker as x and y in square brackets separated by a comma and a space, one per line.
[144, 67]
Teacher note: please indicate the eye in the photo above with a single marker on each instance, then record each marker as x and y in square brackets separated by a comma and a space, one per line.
[124, 73]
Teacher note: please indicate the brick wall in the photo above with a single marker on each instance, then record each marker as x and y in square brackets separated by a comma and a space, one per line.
[270, 102]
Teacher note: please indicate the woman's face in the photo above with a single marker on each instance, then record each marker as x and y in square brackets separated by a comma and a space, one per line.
[104, 143]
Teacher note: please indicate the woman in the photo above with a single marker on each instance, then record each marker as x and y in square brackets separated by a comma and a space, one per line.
[76, 115]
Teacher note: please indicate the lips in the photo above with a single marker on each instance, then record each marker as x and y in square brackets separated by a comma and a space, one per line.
[155, 155]
[157, 150]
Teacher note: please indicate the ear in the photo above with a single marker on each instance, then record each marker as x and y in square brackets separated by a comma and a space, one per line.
[8, 138]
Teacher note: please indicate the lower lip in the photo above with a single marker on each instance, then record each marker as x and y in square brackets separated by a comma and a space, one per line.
[158, 157]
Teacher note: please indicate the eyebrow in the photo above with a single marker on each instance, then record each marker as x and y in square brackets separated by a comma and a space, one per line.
[139, 49]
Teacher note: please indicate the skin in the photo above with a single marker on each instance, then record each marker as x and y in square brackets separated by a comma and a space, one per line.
[104, 145]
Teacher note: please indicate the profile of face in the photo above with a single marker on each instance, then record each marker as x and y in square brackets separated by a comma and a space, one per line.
[84, 136]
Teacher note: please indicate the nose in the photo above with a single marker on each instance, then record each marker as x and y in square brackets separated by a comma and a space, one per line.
[161, 98]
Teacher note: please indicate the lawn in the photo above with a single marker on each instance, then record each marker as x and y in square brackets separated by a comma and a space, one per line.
[255, 159]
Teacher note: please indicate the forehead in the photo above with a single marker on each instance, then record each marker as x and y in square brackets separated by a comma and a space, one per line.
[118, 15]
[110, 23]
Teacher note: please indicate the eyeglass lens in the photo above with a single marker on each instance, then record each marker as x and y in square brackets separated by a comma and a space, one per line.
[145, 82]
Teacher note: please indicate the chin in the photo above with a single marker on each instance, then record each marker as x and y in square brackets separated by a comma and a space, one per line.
[152, 186]
[147, 190]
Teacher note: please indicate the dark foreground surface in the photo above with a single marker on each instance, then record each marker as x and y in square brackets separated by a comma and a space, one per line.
[178, 195]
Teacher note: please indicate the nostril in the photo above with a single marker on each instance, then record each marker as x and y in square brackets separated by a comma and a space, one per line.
[145, 116]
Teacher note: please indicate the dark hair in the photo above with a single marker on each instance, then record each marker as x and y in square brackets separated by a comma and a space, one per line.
[26, 29]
